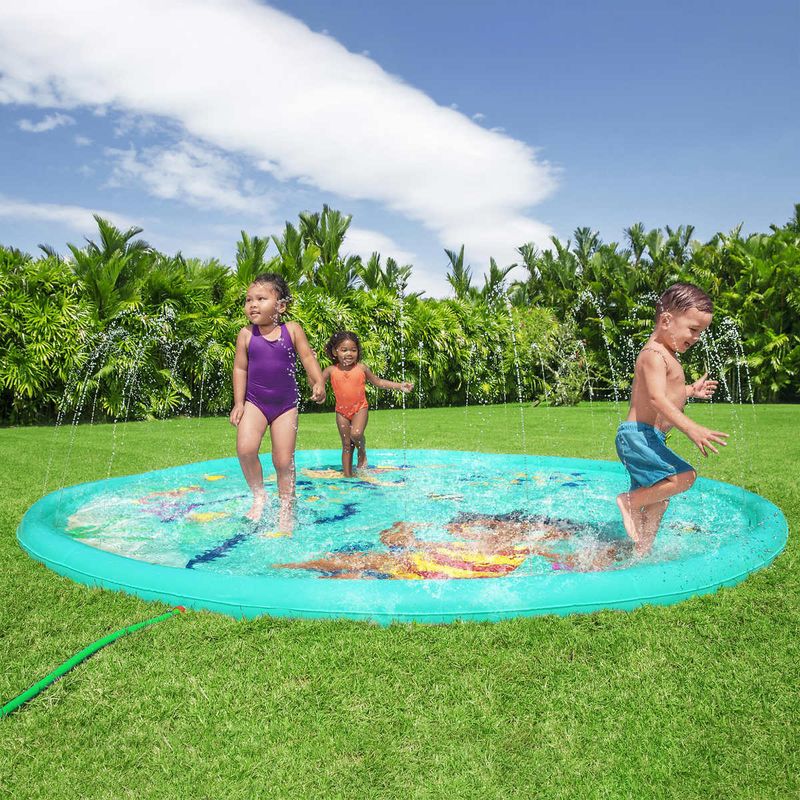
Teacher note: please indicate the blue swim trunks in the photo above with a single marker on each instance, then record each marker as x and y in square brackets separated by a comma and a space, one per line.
[642, 449]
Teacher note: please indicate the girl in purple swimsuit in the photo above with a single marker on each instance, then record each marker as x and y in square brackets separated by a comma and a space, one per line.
[265, 391]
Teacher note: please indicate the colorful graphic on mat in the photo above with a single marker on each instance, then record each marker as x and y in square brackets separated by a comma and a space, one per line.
[487, 546]
[438, 519]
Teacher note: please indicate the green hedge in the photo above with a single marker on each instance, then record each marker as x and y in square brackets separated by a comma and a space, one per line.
[120, 331]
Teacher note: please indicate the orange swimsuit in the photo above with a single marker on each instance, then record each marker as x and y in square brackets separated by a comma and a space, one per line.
[348, 389]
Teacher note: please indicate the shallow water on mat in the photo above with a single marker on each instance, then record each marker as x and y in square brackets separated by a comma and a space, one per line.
[439, 515]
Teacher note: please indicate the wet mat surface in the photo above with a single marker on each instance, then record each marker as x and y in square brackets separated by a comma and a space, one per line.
[413, 517]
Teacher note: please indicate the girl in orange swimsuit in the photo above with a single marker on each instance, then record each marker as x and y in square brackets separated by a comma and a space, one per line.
[348, 378]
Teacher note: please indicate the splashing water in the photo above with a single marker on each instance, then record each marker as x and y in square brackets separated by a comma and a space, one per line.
[585, 296]
[115, 354]
[419, 376]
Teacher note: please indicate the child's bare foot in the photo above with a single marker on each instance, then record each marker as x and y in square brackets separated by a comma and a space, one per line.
[362, 461]
[623, 503]
[644, 543]
[642, 548]
[286, 518]
[257, 509]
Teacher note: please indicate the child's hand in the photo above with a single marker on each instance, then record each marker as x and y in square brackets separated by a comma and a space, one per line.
[703, 437]
[703, 388]
[406, 386]
[318, 392]
[236, 413]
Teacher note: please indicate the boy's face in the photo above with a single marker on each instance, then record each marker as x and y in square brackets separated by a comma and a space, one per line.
[262, 305]
[682, 329]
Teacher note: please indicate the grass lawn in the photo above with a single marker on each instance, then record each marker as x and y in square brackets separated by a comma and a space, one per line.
[696, 700]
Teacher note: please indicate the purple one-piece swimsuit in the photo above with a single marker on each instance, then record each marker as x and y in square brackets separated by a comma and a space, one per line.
[271, 368]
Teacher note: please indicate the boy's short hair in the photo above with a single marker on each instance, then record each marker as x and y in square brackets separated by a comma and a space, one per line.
[682, 297]
[278, 283]
[337, 339]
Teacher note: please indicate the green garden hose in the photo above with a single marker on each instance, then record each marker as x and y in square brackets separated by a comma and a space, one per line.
[12, 705]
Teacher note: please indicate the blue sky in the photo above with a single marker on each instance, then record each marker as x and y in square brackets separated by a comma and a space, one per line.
[433, 123]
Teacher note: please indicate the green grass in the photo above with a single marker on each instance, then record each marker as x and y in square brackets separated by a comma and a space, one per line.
[696, 700]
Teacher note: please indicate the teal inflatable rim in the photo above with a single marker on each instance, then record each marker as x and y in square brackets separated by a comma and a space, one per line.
[423, 601]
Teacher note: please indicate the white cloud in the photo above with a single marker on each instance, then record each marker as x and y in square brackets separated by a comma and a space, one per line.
[479, 116]
[364, 242]
[251, 80]
[433, 283]
[49, 122]
[188, 172]
[127, 124]
[194, 243]
[76, 217]
[82, 141]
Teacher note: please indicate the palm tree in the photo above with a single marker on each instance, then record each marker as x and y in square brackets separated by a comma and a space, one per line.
[395, 277]
[339, 276]
[113, 240]
[794, 223]
[50, 251]
[560, 275]
[678, 242]
[112, 269]
[326, 232]
[528, 292]
[460, 275]
[297, 258]
[637, 241]
[44, 322]
[494, 284]
[209, 280]
[655, 245]
[250, 261]
[165, 282]
[371, 275]
[586, 243]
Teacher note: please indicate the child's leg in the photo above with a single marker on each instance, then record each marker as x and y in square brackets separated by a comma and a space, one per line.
[343, 424]
[283, 433]
[643, 508]
[357, 427]
[249, 434]
[651, 520]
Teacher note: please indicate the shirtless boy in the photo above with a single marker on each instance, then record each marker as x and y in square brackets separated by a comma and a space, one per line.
[658, 395]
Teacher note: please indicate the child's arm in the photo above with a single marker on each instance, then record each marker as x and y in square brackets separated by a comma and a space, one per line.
[381, 383]
[652, 371]
[702, 389]
[240, 375]
[310, 364]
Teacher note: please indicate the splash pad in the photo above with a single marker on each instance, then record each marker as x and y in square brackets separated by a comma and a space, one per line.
[425, 535]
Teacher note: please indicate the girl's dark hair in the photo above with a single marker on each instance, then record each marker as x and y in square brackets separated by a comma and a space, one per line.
[277, 282]
[337, 339]
[682, 297]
